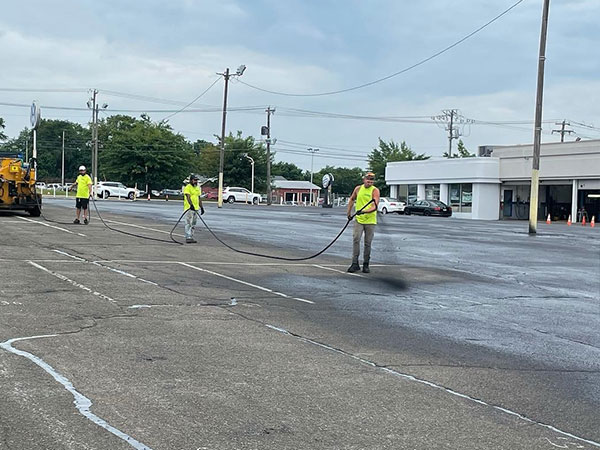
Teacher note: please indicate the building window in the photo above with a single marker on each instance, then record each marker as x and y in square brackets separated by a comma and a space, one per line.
[432, 192]
[461, 197]
[402, 193]
[412, 193]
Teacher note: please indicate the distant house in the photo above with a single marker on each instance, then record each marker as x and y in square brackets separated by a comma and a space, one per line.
[294, 192]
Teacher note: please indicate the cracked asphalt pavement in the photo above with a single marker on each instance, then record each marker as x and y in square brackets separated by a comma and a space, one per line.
[466, 335]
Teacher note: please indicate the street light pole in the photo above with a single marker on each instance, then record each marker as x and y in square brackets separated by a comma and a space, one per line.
[537, 134]
[252, 163]
[226, 75]
[312, 158]
[62, 178]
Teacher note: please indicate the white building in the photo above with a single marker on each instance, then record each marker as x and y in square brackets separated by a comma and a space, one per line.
[497, 185]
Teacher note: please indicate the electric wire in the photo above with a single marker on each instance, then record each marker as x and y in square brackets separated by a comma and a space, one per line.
[395, 74]
[193, 101]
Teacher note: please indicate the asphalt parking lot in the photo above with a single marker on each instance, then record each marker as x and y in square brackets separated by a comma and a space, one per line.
[466, 335]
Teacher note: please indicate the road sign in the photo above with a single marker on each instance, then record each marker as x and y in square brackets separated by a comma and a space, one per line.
[35, 115]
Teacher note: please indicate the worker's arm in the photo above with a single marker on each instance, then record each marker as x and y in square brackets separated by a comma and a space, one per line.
[189, 199]
[90, 188]
[373, 206]
[200, 203]
[351, 202]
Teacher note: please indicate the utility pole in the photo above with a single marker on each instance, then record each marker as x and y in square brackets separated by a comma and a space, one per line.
[312, 158]
[451, 132]
[62, 178]
[562, 130]
[27, 148]
[452, 121]
[537, 134]
[226, 75]
[269, 111]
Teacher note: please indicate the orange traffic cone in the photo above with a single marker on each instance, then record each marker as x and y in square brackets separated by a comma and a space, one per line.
[569, 220]
[548, 221]
[148, 196]
[583, 221]
[593, 222]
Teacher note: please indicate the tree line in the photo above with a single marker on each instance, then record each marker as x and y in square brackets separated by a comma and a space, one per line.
[139, 151]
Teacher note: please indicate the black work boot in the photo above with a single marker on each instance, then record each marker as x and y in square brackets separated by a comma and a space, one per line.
[76, 222]
[354, 267]
[366, 268]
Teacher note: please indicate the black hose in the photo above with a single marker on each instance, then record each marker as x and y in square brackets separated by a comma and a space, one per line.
[134, 234]
[281, 258]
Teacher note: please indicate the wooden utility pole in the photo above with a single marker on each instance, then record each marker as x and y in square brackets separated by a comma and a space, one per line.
[562, 130]
[222, 151]
[537, 133]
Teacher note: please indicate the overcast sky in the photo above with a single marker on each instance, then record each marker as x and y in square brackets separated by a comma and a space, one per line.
[173, 49]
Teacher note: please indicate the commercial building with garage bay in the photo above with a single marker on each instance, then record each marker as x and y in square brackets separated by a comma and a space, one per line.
[496, 184]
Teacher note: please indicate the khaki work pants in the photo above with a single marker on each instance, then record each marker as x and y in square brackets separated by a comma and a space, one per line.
[369, 231]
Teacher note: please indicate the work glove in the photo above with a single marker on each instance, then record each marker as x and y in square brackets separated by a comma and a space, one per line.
[201, 210]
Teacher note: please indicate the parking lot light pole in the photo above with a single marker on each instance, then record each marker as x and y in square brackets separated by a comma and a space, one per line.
[252, 163]
[312, 158]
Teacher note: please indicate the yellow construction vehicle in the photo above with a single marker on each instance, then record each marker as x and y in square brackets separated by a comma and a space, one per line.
[17, 185]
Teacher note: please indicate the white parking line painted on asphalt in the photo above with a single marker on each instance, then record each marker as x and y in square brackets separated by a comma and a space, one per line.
[256, 286]
[229, 263]
[432, 385]
[112, 269]
[142, 227]
[51, 226]
[82, 403]
[60, 252]
[74, 283]
[338, 271]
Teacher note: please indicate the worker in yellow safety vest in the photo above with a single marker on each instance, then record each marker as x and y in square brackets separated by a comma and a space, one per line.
[366, 220]
[192, 204]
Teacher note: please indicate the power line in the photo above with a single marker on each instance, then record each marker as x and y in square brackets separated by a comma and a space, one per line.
[193, 101]
[44, 90]
[395, 74]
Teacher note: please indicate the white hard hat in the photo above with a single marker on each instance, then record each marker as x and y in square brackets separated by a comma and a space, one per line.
[81, 167]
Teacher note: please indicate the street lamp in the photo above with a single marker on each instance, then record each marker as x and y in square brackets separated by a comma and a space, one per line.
[95, 107]
[226, 75]
[312, 158]
[252, 163]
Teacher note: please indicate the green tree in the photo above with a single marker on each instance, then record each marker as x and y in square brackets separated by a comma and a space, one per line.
[49, 148]
[144, 152]
[462, 152]
[206, 158]
[287, 170]
[388, 152]
[345, 178]
[237, 168]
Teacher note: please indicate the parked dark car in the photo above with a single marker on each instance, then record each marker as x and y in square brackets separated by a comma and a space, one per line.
[428, 208]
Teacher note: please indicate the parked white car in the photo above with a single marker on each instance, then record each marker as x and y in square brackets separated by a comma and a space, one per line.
[107, 189]
[390, 205]
[238, 194]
